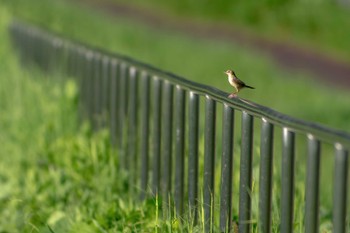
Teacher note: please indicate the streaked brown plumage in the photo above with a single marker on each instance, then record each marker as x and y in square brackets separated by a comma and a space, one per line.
[236, 82]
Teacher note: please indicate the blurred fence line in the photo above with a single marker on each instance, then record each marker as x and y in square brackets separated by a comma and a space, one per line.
[154, 119]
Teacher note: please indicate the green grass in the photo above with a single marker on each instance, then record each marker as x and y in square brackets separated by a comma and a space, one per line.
[323, 24]
[201, 60]
[57, 174]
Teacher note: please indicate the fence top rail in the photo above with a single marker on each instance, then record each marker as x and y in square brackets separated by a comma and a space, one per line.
[316, 130]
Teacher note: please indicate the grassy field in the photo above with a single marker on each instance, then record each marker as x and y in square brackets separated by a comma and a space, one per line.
[55, 175]
[60, 177]
[323, 25]
[204, 61]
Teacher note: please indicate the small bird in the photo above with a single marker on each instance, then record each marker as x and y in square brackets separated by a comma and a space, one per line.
[235, 82]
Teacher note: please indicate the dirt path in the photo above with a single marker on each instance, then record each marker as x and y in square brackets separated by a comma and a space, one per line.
[289, 56]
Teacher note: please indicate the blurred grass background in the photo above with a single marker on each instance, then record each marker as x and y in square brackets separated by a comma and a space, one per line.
[55, 174]
[199, 59]
[319, 24]
[52, 167]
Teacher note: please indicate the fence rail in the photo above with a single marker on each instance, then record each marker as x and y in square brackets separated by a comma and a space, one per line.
[154, 120]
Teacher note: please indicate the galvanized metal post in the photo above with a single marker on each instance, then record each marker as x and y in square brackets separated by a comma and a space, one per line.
[114, 101]
[57, 55]
[79, 73]
[156, 139]
[179, 149]
[65, 58]
[245, 187]
[45, 52]
[341, 184]
[80, 83]
[72, 60]
[167, 133]
[131, 144]
[226, 169]
[85, 85]
[97, 91]
[209, 160]
[35, 48]
[265, 176]
[122, 90]
[193, 131]
[287, 185]
[144, 140]
[105, 89]
[312, 185]
[90, 88]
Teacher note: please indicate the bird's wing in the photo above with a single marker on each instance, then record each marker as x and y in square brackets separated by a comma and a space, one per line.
[240, 82]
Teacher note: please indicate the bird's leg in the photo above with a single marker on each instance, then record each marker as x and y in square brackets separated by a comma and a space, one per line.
[234, 94]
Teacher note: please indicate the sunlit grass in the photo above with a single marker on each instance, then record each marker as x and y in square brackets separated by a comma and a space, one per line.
[325, 28]
[201, 60]
[58, 175]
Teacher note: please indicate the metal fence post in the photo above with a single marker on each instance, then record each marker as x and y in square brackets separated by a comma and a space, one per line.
[122, 113]
[245, 187]
[179, 149]
[287, 185]
[209, 160]
[114, 101]
[193, 128]
[131, 143]
[97, 92]
[89, 100]
[341, 173]
[226, 169]
[167, 133]
[312, 185]
[265, 176]
[156, 137]
[144, 140]
[105, 84]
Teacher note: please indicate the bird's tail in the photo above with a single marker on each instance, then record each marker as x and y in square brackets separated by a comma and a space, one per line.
[249, 87]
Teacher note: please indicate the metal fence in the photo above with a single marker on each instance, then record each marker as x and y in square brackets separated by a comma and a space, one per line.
[154, 119]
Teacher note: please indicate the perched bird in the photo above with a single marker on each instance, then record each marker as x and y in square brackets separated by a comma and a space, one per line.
[235, 82]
